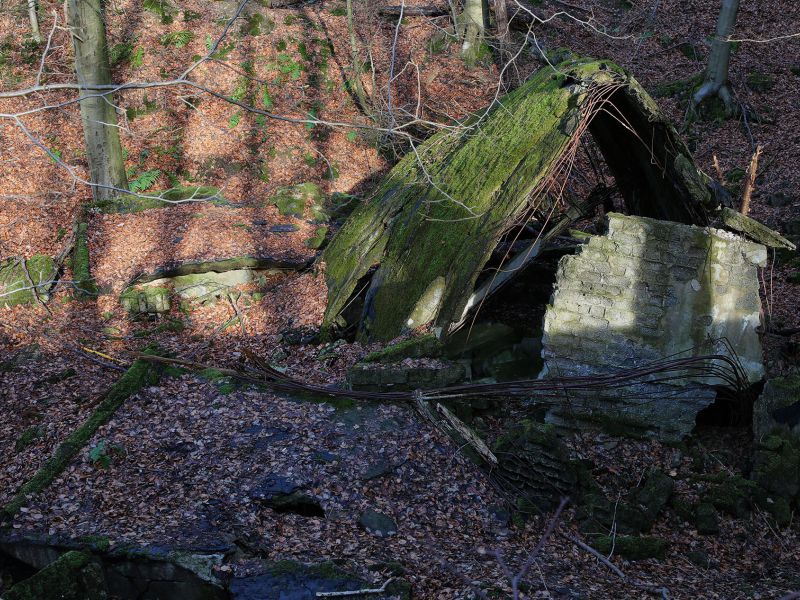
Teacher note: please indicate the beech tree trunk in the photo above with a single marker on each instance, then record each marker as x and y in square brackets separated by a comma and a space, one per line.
[715, 82]
[98, 114]
[473, 24]
[35, 33]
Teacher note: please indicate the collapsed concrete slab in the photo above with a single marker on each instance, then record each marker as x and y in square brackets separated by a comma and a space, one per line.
[648, 290]
[417, 250]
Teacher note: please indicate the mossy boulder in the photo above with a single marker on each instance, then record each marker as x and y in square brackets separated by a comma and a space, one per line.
[318, 239]
[294, 199]
[382, 377]
[777, 409]
[146, 300]
[654, 494]
[706, 519]
[776, 467]
[760, 82]
[73, 576]
[631, 547]
[16, 288]
[734, 495]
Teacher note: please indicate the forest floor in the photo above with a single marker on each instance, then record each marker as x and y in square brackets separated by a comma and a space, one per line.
[188, 455]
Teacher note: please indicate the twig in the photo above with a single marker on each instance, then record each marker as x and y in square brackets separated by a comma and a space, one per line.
[379, 590]
[33, 286]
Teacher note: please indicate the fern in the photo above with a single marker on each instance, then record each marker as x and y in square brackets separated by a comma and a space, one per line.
[240, 90]
[138, 58]
[179, 39]
[144, 181]
[266, 98]
[162, 8]
[234, 120]
[120, 53]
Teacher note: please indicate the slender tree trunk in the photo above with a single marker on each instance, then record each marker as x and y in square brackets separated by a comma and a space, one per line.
[473, 24]
[357, 65]
[716, 77]
[501, 22]
[103, 148]
[35, 33]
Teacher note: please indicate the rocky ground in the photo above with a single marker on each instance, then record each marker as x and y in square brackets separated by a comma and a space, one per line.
[201, 462]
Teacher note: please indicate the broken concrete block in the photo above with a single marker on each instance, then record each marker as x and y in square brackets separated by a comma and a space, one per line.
[649, 290]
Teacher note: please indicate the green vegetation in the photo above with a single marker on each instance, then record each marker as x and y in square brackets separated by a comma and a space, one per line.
[178, 39]
[140, 374]
[67, 577]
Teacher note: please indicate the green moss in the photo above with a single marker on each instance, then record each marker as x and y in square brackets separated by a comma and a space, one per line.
[30, 435]
[293, 200]
[733, 495]
[81, 272]
[706, 519]
[318, 239]
[418, 233]
[760, 82]
[59, 580]
[140, 374]
[130, 203]
[415, 347]
[15, 286]
[99, 543]
[682, 87]
[776, 467]
[146, 299]
[631, 547]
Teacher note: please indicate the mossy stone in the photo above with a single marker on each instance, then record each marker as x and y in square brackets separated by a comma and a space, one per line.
[377, 523]
[734, 495]
[416, 347]
[776, 467]
[70, 577]
[293, 200]
[15, 286]
[30, 435]
[146, 300]
[706, 519]
[655, 494]
[699, 559]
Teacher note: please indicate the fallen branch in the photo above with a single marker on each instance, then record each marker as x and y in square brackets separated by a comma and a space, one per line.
[750, 184]
[379, 590]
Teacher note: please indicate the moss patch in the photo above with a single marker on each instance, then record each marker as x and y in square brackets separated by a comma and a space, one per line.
[141, 373]
[294, 199]
[130, 203]
[61, 579]
[415, 347]
[15, 288]
[81, 272]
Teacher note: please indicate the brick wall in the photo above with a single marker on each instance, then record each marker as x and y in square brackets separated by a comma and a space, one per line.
[647, 290]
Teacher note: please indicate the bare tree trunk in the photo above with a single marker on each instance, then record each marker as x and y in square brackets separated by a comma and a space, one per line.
[473, 24]
[35, 33]
[501, 21]
[103, 148]
[716, 77]
[357, 65]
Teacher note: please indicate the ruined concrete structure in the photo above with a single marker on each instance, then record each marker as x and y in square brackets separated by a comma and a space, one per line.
[648, 290]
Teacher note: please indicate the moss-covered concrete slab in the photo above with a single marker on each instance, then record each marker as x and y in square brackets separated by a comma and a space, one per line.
[132, 203]
[15, 285]
[438, 215]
